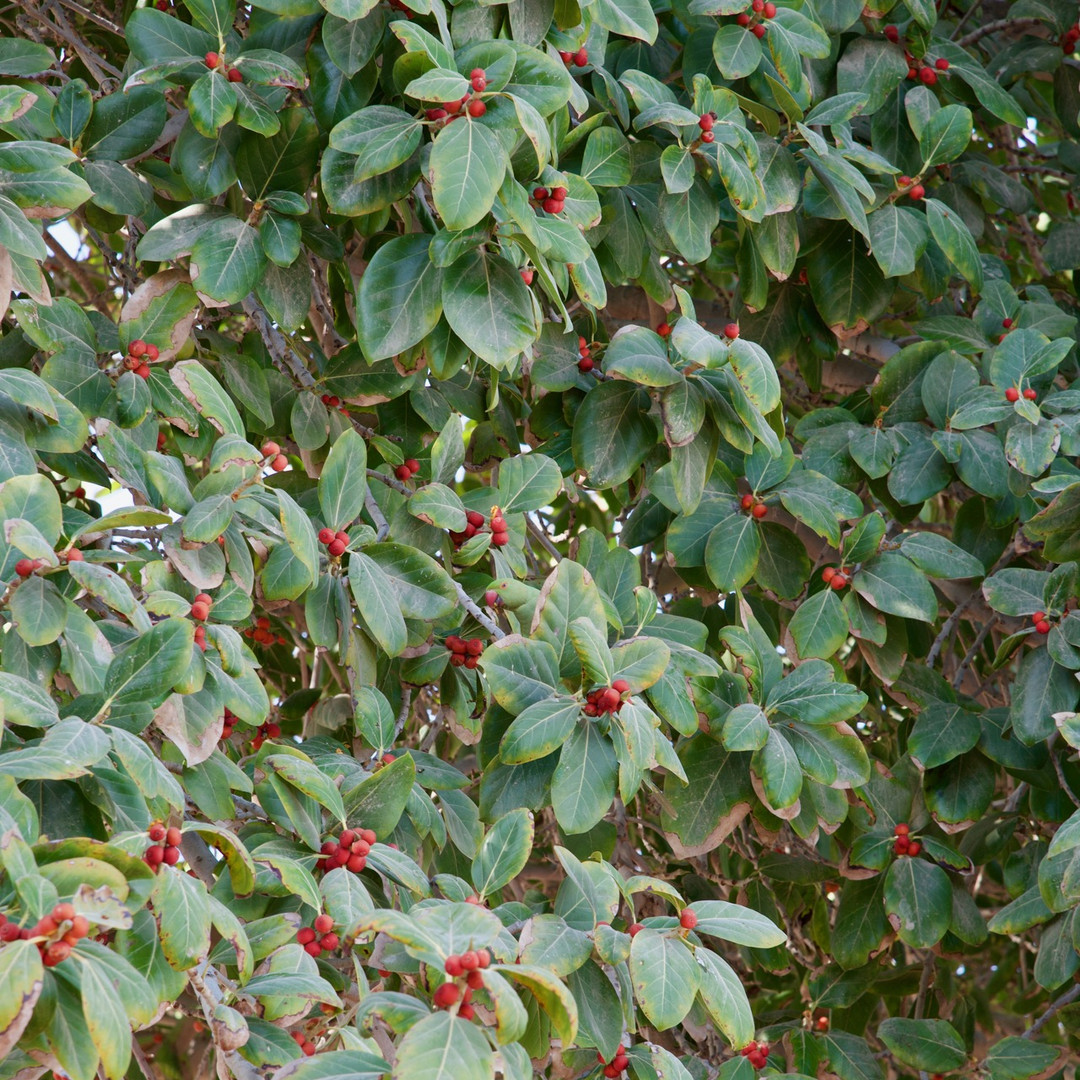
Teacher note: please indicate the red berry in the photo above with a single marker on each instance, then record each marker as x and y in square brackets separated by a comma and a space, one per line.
[540, 193]
[324, 924]
[1031, 393]
[742, 19]
[477, 73]
[838, 581]
[402, 473]
[621, 686]
[769, 10]
[941, 64]
[453, 967]
[610, 1072]
[234, 75]
[466, 1012]
[143, 371]
[356, 863]
[634, 928]
[326, 535]
[917, 192]
[138, 346]
[663, 329]
[436, 114]
[560, 193]
[553, 205]
[474, 646]
[368, 835]
[412, 465]
[828, 574]
[731, 331]
[903, 181]
[892, 34]
[474, 980]
[151, 352]
[912, 74]
[313, 948]
[586, 364]
[914, 848]
[527, 276]
[758, 31]
[329, 942]
[590, 710]
[56, 953]
[621, 1061]
[155, 854]
[1007, 323]
[688, 919]
[477, 108]
[305, 935]
[927, 76]
[566, 57]
[902, 829]
[500, 539]
[448, 994]
[822, 1023]
[581, 57]
[156, 832]
[172, 856]
[212, 60]
[1042, 627]
[173, 836]
[706, 122]
[62, 913]
[199, 612]
[25, 567]
[470, 960]
[757, 6]
[280, 463]
[707, 136]
[308, 1049]
[478, 83]
[759, 511]
[747, 502]
[610, 700]
[1012, 394]
[336, 548]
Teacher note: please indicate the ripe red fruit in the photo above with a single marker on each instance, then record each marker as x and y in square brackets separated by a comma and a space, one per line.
[172, 856]
[25, 567]
[313, 948]
[356, 863]
[326, 535]
[324, 924]
[758, 31]
[453, 967]
[280, 463]
[1012, 394]
[368, 835]
[234, 75]
[138, 346]
[566, 57]
[1042, 627]
[305, 935]
[308, 1049]
[1038, 616]
[903, 181]
[914, 848]
[474, 980]
[581, 57]
[621, 686]
[436, 114]
[484, 954]
[822, 1023]
[470, 961]
[156, 832]
[155, 854]
[707, 136]
[173, 836]
[706, 122]
[1007, 323]
[892, 34]
[688, 919]
[769, 10]
[917, 192]
[540, 193]
[402, 473]
[621, 1061]
[478, 80]
[212, 60]
[742, 19]
[500, 540]
[553, 205]
[757, 6]
[474, 646]
[270, 448]
[927, 76]
[828, 574]
[62, 912]
[941, 64]
[586, 364]
[412, 465]
[663, 329]
[329, 942]
[759, 511]
[731, 331]
[9, 932]
[335, 547]
[838, 581]
[56, 953]
[1031, 393]
[476, 108]
[912, 74]
[609, 700]
[448, 994]
[199, 612]
[610, 1071]
[902, 829]
[466, 1012]
[527, 276]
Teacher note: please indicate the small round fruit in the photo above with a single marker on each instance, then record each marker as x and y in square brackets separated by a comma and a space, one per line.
[902, 829]
[56, 953]
[157, 832]
[474, 980]
[212, 60]
[1031, 393]
[62, 913]
[448, 994]
[758, 31]
[453, 967]
[75, 555]
[731, 331]
[747, 502]
[621, 686]
[1012, 394]
[466, 1012]
[500, 539]
[138, 346]
[172, 856]
[527, 275]
[688, 919]
[759, 511]
[914, 848]
[313, 948]
[155, 854]
[335, 547]
[941, 64]
[324, 924]
[25, 567]
[305, 935]
[199, 611]
[280, 463]
[586, 364]
[476, 108]
[478, 83]
[828, 574]
[566, 57]
[927, 76]
[470, 960]
[326, 536]
[1038, 616]
[355, 864]
[402, 473]
[581, 57]
[707, 136]
[769, 10]
[838, 581]
[917, 192]
[553, 205]
[1042, 627]
[270, 449]
[742, 19]
[234, 75]
[412, 465]
[663, 329]
[173, 836]
[329, 942]
[540, 193]
[1007, 323]
[892, 34]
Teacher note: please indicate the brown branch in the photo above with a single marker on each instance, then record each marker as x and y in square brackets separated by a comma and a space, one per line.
[1066, 999]
[993, 27]
[78, 271]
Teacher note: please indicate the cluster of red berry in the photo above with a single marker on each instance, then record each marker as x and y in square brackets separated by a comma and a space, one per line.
[332, 401]
[474, 522]
[1013, 394]
[755, 507]
[214, 60]
[706, 122]
[1041, 623]
[164, 847]
[228, 725]
[904, 845]
[139, 352]
[920, 70]
[1007, 325]
[265, 731]
[350, 850]
[307, 1047]
[585, 361]
[834, 577]
[278, 461]
[915, 191]
[334, 542]
[617, 1064]
[467, 967]
[578, 59]
[756, 1053]
[500, 532]
[319, 937]
[470, 103]
[759, 9]
[407, 469]
[200, 607]
[65, 928]
[464, 652]
[260, 633]
[607, 699]
[553, 201]
[1069, 39]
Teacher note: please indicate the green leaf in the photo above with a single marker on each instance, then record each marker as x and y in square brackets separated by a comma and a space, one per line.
[819, 626]
[25, 704]
[467, 167]
[67, 750]
[226, 261]
[343, 480]
[399, 299]
[444, 1047]
[21, 975]
[381, 137]
[945, 136]
[737, 924]
[489, 307]
[665, 977]
[606, 162]
[583, 784]
[941, 733]
[737, 52]
[38, 611]
[149, 666]
[932, 1045]
[940, 558]
[777, 767]
[106, 1019]
[955, 239]
[379, 800]
[211, 102]
[373, 590]
[539, 730]
[731, 553]
[892, 584]
[918, 901]
[182, 908]
[1016, 1058]
[629, 18]
[724, 998]
[503, 853]
[528, 482]
[640, 356]
[612, 433]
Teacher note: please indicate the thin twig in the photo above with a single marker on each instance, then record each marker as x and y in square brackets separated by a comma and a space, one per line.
[961, 671]
[993, 27]
[283, 356]
[382, 526]
[929, 960]
[1066, 999]
[542, 537]
[949, 626]
[403, 712]
[478, 613]
[1059, 772]
[94, 17]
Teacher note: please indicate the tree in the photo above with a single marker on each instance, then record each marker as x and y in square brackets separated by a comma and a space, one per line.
[539, 539]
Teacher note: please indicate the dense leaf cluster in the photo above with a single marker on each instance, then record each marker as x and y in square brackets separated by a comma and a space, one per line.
[532, 528]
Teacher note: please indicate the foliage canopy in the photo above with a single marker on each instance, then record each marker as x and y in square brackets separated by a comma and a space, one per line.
[531, 528]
